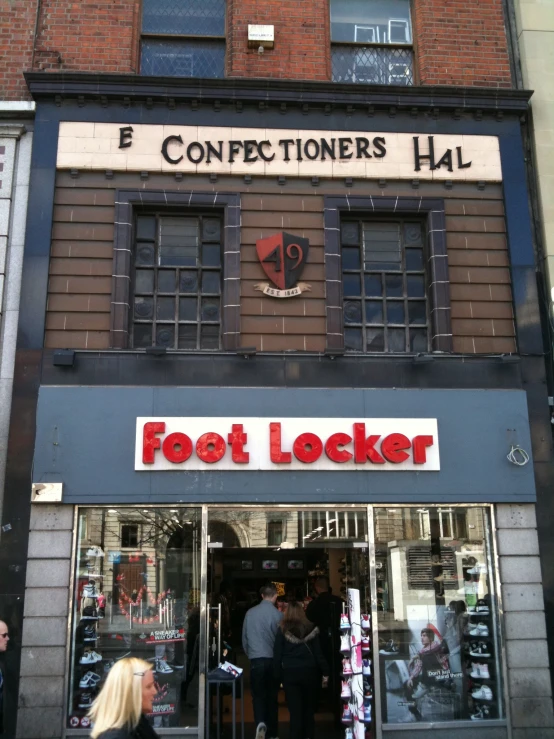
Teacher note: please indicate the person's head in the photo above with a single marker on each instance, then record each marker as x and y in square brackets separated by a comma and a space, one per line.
[269, 592]
[4, 636]
[295, 620]
[321, 585]
[427, 636]
[128, 691]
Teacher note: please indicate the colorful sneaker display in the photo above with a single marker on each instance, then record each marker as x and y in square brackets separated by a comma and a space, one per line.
[366, 667]
[345, 644]
[365, 644]
[346, 667]
[346, 692]
[344, 622]
[366, 621]
[346, 717]
[484, 693]
[367, 714]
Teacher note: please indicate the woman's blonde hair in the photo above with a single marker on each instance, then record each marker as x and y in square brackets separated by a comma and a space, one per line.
[119, 703]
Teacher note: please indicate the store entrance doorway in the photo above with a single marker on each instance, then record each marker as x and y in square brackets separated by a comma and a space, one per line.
[316, 558]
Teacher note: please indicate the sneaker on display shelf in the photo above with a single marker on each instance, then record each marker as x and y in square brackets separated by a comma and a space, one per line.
[345, 644]
[344, 622]
[484, 693]
[96, 655]
[108, 664]
[366, 647]
[366, 667]
[348, 734]
[95, 552]
[346, 692]
[88, 658]
[389, 648]
[85, 701]
[346, 667]
[367, 714]
[481, 714]
[482, 606]
[261, 730]
[366, 622]
[89, 680]
[162, 666]
[484, 671]
[89, 633]
[368, 692]
[475, 671]
[479, 629]
[479, 649]
[346, 717]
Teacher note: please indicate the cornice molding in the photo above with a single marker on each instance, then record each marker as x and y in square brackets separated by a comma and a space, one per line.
[129, 89]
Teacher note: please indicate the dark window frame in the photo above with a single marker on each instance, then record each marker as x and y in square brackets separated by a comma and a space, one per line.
[177, 295]
[130, 525]
[432, 211]
[385, 300]
[154, 36]
[127, 203]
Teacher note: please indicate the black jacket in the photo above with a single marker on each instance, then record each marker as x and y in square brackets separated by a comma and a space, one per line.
[324, 611]
[143, 730]
[297, 651]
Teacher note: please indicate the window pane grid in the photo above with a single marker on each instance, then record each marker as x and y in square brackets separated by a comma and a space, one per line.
[385, 309]
[372, 65]
[184, 312]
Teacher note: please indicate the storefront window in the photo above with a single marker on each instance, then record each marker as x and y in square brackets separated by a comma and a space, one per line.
[437, 615]
[137, 593]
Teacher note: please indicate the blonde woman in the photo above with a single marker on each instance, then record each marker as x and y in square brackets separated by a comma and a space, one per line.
[119, 710]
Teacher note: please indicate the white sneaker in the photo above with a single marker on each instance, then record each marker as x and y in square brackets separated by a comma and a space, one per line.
[348, 734]
[346, 692]
[97, 657]
[484, 670]
[89, 680]
[261, 730]
[88, 658]
[475, 672]
[366, 621]
[479, 630]
[345, 644]
[346, 667]
[366, 667]
[344, 622]
[483, 694]
[95, 552]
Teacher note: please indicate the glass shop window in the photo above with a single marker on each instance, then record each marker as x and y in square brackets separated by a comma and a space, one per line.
[183, 38]
[438, 626]
[372, 42]
[177, 282]
[137, 597]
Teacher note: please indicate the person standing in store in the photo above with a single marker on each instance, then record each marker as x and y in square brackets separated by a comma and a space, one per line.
[300, 665]
[119, 711]
[324, 611]
[4, 638]
[259, 630]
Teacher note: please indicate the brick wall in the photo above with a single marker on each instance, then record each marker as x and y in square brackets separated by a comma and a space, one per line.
[82, 247]
[17, 26]
[98, 36]
[461, 42]
[301, 39]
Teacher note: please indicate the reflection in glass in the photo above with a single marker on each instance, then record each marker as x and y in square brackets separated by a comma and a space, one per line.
[137, 593]
[437, 616]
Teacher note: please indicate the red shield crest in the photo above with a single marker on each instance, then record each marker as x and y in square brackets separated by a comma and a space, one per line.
[283, 257]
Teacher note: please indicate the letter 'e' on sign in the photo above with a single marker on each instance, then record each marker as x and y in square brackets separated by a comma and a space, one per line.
[276, 444]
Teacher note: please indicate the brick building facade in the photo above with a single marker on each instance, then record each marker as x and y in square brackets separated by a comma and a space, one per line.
[328, 228]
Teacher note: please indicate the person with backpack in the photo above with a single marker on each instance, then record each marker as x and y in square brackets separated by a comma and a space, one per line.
[301, 667]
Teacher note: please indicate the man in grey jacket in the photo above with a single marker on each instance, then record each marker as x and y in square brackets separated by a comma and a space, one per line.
[258, 639]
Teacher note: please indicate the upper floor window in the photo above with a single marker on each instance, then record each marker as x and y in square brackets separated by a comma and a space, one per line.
[177, 282]
[372, 42]
[183, 38]
[383, 279]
